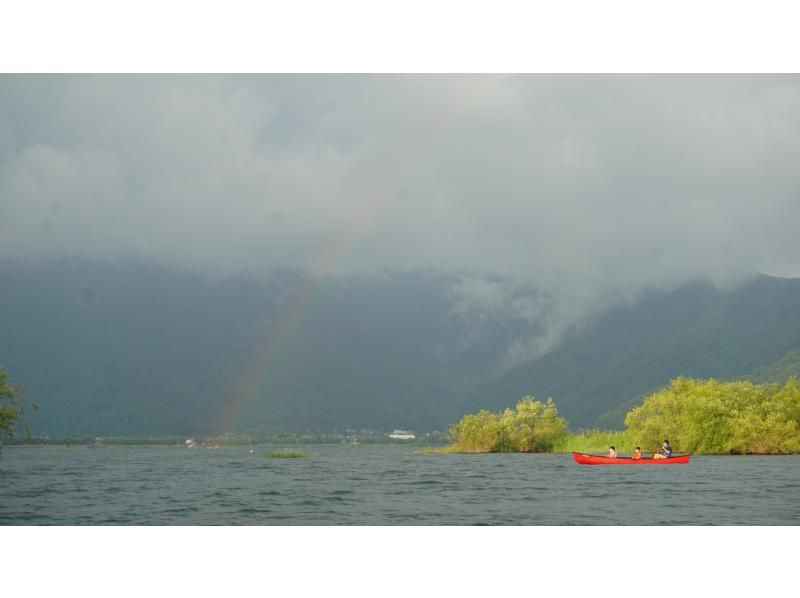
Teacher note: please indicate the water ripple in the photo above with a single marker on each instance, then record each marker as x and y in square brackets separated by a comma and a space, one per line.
[384, 486]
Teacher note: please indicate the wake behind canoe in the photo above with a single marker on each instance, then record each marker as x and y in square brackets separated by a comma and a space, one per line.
[602, 460]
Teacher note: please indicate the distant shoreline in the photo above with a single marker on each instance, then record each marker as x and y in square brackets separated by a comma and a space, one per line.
[427, 451]
[31, 445]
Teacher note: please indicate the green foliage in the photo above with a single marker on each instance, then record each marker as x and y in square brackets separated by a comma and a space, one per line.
[11, 407]
[285, 455]
[711, 417]
[594, 441]
[530, 428]
[442, 450]
[698, 416]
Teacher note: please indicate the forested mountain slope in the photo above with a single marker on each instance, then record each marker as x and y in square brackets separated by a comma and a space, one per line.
[135, 348]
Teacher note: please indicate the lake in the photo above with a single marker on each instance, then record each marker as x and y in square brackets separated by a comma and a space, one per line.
[384, 485]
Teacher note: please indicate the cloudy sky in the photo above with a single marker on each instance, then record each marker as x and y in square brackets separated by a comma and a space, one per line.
[588, 188]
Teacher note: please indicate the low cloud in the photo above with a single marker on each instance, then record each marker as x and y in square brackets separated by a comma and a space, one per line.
[586, 189]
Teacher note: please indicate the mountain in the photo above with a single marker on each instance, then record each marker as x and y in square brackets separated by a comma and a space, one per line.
[600, 372]
[136, 348]
[780, 371]
[131, 347]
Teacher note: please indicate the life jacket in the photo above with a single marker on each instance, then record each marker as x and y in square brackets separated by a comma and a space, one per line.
[637, 455]
[667, 450]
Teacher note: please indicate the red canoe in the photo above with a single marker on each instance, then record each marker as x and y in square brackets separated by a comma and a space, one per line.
[600, 460]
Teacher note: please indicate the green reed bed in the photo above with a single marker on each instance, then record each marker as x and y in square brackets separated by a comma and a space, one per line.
[285, 455]
[593, 441]
[590, 441]
[437, 450]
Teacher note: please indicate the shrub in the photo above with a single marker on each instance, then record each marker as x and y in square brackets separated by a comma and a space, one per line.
[532, 426]
[285, 455]
[707, 416]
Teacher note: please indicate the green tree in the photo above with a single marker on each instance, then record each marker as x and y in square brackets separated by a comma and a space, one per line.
[707, 416]
[766, 435]
[532, 427]
[476, 433]
[11, 407]
[536, 425]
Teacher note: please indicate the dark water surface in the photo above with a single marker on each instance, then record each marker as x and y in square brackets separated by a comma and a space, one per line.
[384, 485]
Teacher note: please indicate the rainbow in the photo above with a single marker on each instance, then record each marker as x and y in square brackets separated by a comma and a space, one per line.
[268, 349]
[300, 301]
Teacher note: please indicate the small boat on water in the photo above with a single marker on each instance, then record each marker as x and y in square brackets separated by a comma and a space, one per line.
[603, 460]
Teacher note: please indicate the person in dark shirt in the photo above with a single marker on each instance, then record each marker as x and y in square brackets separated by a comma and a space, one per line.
[666, 449]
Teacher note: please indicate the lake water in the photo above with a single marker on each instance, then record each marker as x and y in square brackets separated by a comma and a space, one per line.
[384, 485]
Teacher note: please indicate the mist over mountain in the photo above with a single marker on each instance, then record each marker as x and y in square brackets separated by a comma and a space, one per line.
[131, 347]
[547, 198]
[696, 330]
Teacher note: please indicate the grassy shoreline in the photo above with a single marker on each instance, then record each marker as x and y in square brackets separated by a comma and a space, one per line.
[701, 417]
[594, 441]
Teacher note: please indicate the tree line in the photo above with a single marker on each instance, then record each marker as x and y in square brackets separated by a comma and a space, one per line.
[698, 417]
[712, 417]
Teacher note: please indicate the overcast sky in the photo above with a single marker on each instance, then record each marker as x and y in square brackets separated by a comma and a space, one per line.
[589, 188]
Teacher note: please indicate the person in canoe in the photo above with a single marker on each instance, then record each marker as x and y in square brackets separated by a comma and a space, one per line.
[612, 452]
[666, 451]
[637, 454]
